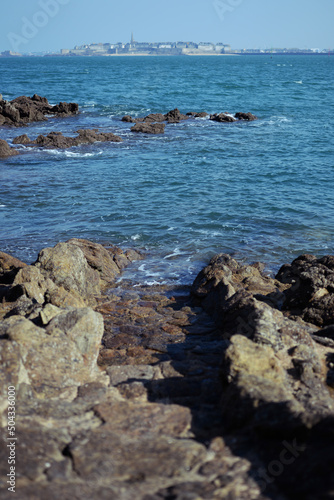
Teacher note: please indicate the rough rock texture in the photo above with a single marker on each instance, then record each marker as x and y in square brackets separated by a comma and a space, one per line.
[175, 116]
[219, 394]
[311, 294]
[6, 150]
[23, 110]
[149, 128]
[56, 140]
[246, 116]
[222, 117]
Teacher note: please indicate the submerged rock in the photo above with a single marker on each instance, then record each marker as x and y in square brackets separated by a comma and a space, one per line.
[23, 110]
[56, 140]
[149, 128]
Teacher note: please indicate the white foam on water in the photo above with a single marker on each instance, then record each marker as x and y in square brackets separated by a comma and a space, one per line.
[135, 237]
[300, 82]
[2, 206]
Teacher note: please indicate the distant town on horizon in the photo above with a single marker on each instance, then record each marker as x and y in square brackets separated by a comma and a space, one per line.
[165, 48]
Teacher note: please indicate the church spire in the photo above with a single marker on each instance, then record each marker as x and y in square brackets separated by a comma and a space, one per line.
[132, 39]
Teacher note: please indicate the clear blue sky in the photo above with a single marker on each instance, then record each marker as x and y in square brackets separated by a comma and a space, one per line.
[29, 27]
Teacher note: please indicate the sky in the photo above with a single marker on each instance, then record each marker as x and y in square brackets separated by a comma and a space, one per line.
[51, 25]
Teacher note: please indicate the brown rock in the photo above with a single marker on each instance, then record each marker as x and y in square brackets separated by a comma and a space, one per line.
[6, 150]
[311, 291]
[66, 266]
[23, 110]
[9, 267]
[245, 116]
[149, 128]
[222, 117]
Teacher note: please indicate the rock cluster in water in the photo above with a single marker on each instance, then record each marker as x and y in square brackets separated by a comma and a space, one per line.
[23, 110]
[56, 140]
[151, 124]
[224, 390]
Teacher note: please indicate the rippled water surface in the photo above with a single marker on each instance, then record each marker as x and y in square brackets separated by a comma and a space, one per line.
[261, 190]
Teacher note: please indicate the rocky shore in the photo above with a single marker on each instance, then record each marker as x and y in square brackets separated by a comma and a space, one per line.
[221, 390]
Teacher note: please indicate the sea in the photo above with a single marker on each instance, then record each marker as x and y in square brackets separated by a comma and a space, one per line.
[260, 191]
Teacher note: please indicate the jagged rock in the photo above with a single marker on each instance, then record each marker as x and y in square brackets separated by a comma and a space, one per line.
[175, 116]
[65, 109]
[6, 150]
[21, 139]
[23, 110]
[311, 291]
[74, 335]
[128, 119]
[9, 267]
[66, 266]
[245, 116]
[109, 262]
[222, 117]
[56, 140]
[149, 128]
[126, 458]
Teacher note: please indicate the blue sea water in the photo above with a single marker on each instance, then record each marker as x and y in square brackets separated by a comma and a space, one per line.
[261, 190]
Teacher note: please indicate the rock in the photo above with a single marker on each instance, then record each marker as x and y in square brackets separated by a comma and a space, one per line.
[99, 258]
[105, 452]
[9, 267]
[311, 291]
[128, 119]
[245, 116]
[23, 110]
[66, 266]
[175, 116]
[194, 114]
[6, 150]
[56, 140]
[74, 335]
[222, 117]
[149, 128]
[65, 109]
[155, 117]
[21, 139]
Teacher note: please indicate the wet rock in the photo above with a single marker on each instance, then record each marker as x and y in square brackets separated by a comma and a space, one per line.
[149, 128]
[128, 119]
[311, 290]
[175, 116]
[154, 117]
[6, 150]
[21, 139]
[56, 140]
[194, 114]
[23, 110]
[245, 116]
[222, 117]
